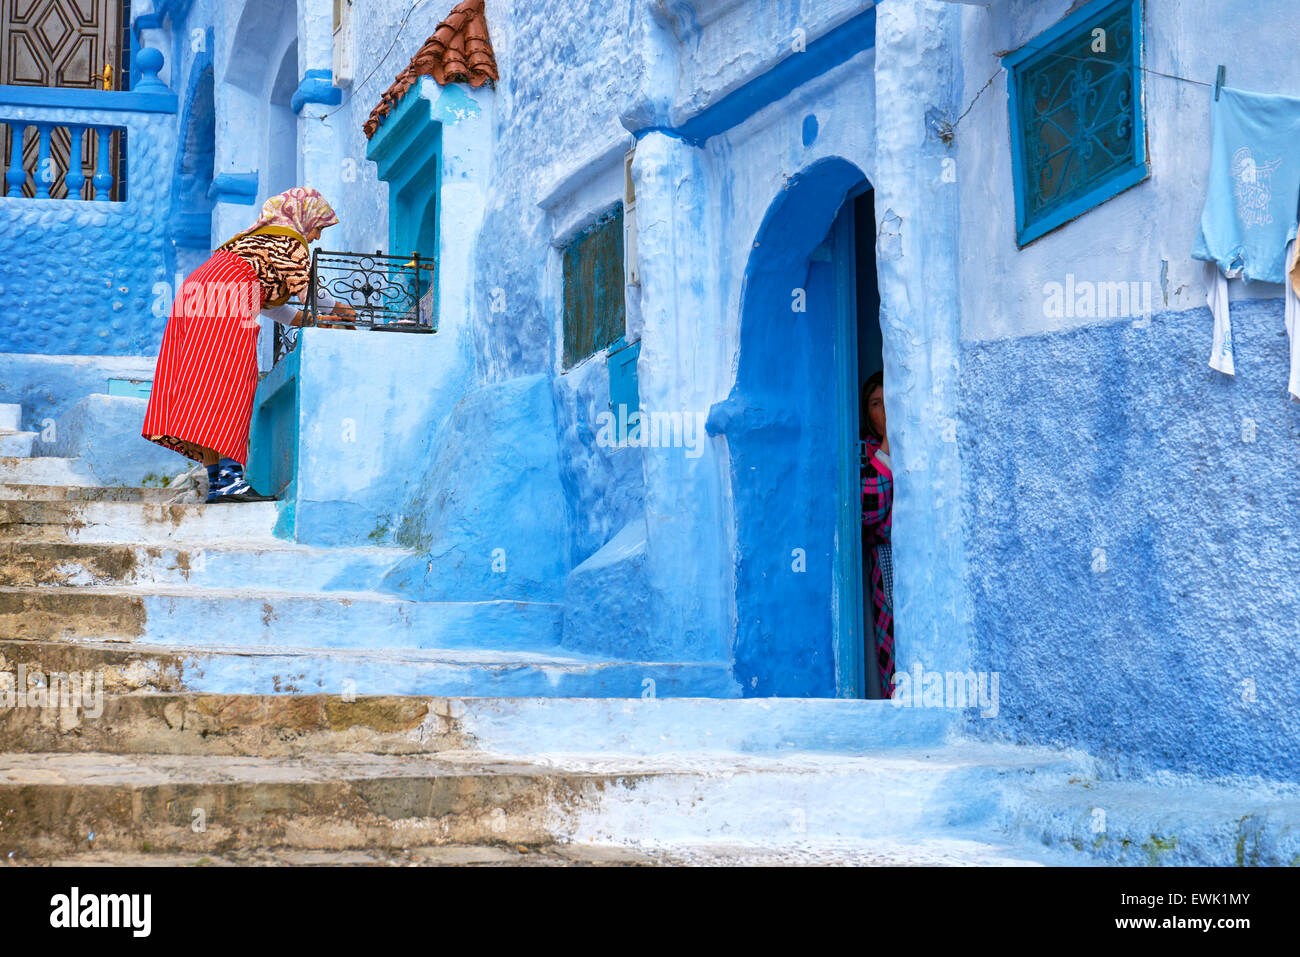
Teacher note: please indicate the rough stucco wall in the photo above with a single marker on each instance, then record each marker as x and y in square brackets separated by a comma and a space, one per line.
[558, 106]
[487, 517]
[86, 270]
[355, 180]
[563, 81]
[251, 38]
[1132, 543]
[603, 486]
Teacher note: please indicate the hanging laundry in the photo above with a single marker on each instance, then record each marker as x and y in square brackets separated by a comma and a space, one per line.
[1251, 207]
[1292, 312]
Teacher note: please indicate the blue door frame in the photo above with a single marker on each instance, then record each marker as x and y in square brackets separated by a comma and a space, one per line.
[849, 611]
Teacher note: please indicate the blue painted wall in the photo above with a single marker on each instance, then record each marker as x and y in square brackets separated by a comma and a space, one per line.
[86, 283]
[1133, 547]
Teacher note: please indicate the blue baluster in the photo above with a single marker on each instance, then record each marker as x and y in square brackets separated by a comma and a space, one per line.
[15, 175]
[76, 177]
[103, 173]
[44, 174]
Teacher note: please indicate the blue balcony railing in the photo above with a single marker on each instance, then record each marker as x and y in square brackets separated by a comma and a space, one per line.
[57, 143]
[51, 160]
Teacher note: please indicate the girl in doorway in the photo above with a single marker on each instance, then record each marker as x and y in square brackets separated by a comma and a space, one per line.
[877, 526]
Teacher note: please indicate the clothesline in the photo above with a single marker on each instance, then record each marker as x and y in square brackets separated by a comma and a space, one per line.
[1066, 56]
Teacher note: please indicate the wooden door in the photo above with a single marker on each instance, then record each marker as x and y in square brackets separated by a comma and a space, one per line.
[76, 44]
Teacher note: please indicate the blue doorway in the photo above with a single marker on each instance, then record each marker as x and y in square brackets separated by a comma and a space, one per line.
[809, 327]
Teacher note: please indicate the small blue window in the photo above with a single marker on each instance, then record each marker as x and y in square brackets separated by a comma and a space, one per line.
[1077, 131]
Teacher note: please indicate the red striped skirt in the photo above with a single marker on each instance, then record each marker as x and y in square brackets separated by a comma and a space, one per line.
[206, 377]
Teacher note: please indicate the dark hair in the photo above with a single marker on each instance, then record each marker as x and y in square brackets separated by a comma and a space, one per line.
[874, 381]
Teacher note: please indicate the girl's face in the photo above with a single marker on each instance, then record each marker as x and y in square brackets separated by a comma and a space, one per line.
[876, 410]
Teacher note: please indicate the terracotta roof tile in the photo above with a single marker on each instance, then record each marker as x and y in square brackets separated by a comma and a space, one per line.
[458, 52]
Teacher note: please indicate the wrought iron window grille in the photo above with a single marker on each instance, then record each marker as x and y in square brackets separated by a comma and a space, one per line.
[385, 292]
[1078, 135]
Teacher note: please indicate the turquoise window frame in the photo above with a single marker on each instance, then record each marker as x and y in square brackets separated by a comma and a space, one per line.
[1018, 64]
[407, 150]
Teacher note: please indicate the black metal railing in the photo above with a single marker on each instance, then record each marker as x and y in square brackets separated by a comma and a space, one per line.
[384, 294]
[383, 291]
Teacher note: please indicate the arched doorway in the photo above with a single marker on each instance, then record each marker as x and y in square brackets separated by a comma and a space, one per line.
[257, 88]
[791, 427]
[282, 127]
[191, 207]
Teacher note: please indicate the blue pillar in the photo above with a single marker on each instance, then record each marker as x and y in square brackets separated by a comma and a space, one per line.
[15, 175]
[75, 179]
[44, 172]
[103, 173]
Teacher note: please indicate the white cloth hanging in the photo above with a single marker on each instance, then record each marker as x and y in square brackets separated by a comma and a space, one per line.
[1216, 297]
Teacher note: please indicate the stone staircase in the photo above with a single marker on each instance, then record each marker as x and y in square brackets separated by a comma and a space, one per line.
[188, 776]
[249, 700]
[13, 440]
[209, 593]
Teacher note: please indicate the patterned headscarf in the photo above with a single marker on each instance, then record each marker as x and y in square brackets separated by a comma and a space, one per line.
[282, 262]
[302, 209]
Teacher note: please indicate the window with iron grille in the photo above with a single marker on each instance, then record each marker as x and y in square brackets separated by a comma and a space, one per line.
[594, 306]
[1077, 131]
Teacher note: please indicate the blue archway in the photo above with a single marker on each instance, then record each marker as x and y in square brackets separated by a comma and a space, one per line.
[190, 216]
[783, 424]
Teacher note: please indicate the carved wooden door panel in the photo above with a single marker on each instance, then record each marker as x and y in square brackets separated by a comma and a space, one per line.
[62, 43]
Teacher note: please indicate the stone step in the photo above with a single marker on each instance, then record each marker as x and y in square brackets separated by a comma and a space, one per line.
[52, 803]
[258, 618]
[441, 855]
[307, 670]
[15, 444]
[283, 567]
[1161, 823]
[251, 725]
[14, 492]
[141, 523]
[264, 725]
[11, 417]
[44, 470]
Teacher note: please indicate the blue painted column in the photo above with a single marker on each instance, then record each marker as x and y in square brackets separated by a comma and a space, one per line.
[920, 295]
[689, 576]
[75, 178]
[44, 174]
[15, 175]
[103, 173]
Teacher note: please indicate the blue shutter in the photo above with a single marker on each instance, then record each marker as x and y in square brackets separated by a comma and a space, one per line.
[623, 387]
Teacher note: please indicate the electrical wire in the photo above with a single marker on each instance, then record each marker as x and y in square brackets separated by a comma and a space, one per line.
[401, 27]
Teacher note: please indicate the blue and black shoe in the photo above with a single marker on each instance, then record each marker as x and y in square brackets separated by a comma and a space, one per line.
[226, 483]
